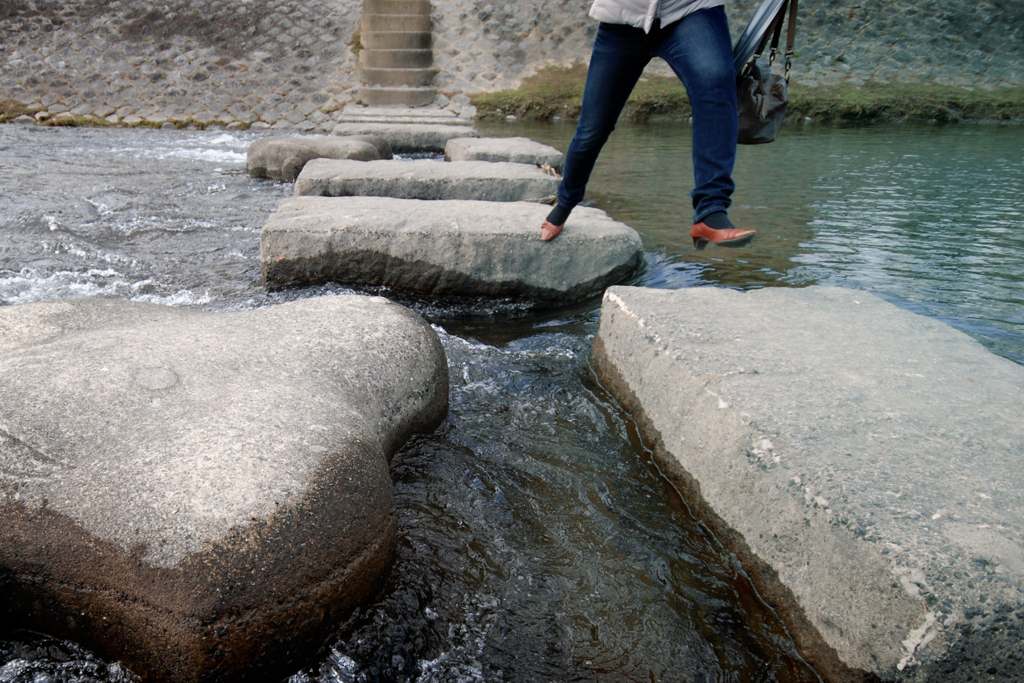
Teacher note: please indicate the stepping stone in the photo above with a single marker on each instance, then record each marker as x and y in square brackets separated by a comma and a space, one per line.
[494, 182]
[204, 496]
[357, 110]
[466, 248]
[284, 157]
[399, 115]
[862, 461]
[410, 96]
[517, 150]
[410, 137]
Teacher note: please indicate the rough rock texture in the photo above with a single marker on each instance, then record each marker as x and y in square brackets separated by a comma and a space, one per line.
[203, 495]
[447, 247]
[282, 158]
[516, 150]
[497, 182]
[287, 64]
[864, 462]
[354, 113]
[410, 137]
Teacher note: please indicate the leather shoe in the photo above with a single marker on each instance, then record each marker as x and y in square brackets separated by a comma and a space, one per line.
[549, 231]
[702, 234]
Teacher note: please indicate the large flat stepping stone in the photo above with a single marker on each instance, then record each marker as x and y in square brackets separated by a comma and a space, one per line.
[864, 463]
[517, 150]
[480, 180]
[204, 495]
[446, 248]
[409, 137]
[283, 158]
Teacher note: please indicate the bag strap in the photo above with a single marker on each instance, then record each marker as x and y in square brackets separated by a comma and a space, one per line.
[773, 33]
[790, 38]
[791, 33]
[777, 31]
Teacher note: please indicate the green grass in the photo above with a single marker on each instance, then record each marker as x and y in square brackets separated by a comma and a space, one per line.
[907, 102]
[10, 110]
[558, 91]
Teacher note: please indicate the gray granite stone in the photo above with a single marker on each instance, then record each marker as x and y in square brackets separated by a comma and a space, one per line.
[468, 248]
[518, 150]
[204, 495]
[862, 461]
[409, 137]
[481, 180]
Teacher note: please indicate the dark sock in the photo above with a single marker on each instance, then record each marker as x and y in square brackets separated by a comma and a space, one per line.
[559, 215]
[718, 220]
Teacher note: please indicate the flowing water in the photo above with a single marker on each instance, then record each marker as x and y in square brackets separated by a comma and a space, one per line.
[538, 541]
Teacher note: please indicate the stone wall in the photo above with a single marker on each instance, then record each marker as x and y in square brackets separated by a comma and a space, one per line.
[270, 62]
[481, 45]
[291, 63]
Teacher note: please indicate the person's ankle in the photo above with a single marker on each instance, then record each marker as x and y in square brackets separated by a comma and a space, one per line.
[719, 220]
[559, 215]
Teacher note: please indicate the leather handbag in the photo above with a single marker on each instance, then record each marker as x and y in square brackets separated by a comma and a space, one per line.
[763, 95]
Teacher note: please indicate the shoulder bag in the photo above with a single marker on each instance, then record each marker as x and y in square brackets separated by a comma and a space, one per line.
[762, 94]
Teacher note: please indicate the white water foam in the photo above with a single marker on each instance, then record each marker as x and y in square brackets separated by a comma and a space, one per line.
[27, 286]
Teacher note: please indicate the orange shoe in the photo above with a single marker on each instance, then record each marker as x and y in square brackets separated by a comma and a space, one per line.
[702, 234]
[549, 231]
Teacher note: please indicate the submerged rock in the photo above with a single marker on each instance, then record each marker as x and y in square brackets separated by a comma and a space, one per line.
[204, 495]
[446, 247]
[494, 182]
[283, 158]
[862, 461]
[517, 150]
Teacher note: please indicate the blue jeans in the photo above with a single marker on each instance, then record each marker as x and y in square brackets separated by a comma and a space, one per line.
[699, 50]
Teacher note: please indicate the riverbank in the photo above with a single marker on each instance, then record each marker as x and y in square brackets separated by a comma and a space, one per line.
[558, 91]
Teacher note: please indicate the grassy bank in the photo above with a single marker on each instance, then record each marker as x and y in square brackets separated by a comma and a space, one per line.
[10, 110]
[557, 91]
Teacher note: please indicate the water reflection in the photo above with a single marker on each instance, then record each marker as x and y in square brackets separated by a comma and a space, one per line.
[925, 216]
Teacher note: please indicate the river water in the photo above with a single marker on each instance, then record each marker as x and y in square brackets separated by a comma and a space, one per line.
[538, 541]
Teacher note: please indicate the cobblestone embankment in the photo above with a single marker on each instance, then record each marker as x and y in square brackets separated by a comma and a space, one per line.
[282, 63]
[291, 64]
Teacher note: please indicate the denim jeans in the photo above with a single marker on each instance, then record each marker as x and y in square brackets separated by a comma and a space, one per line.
[699, 50]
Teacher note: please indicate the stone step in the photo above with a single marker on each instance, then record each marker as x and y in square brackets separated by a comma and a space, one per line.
[396, 22]
[416, 137]
[352, 109]
[870, 487]
[403, 120]
[383, 96]
[518, 150]
[396, 7]
[396, 59]
[396, 77]
[396, 40]
[469, 248]
[283, 157]
[191, 491]
[417, 179]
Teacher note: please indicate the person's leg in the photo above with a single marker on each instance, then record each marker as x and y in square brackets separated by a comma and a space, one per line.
[699, 50]
[619, 57]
